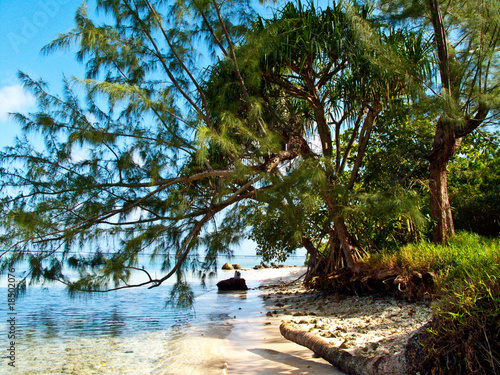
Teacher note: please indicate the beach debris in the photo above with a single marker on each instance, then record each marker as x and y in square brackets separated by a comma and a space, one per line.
[385, 322]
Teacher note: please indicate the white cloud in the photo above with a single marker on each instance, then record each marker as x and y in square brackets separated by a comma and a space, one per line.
[14, 99]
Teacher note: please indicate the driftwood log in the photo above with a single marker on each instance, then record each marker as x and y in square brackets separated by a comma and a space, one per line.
[344, 361]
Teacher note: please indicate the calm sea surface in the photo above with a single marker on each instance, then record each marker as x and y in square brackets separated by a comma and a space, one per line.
[129, 331]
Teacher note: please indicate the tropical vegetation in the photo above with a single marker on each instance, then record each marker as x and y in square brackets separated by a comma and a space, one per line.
[359, 131]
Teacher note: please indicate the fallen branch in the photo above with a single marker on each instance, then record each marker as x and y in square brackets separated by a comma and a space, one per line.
[344, 361]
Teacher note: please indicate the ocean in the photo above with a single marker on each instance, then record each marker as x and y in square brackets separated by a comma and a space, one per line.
[130, 331]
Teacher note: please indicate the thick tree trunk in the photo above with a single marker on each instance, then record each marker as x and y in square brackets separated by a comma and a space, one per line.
[349, 252]
[344, 361]
[439, 201]
[446, 144]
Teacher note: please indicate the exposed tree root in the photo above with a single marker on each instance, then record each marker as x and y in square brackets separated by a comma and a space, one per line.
[412, 286]
[344, 361]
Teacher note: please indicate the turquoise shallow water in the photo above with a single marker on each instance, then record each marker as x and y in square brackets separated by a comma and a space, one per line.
[127, 331]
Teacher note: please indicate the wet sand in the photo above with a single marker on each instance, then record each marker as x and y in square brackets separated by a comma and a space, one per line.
[255, 345]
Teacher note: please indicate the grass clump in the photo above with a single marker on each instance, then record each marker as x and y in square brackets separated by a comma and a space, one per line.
[464, 335]
[467, 256]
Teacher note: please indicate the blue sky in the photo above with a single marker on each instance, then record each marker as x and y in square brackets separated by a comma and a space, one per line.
[26, 26]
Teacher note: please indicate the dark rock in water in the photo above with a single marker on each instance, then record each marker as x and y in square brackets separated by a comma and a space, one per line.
[258, 267]
[232, 284]
[236, 266]
[228, 266]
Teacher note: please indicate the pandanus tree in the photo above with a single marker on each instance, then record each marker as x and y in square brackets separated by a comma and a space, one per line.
[162, 156]
[328, 67]
[464, 87]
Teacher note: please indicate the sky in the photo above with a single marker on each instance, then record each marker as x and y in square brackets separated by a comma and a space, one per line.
[26, 26]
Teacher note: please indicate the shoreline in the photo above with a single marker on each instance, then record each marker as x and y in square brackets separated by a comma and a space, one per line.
[255, 344]
[230, 332]
[364, 326]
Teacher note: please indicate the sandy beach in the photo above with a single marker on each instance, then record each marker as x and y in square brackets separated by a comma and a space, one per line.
[228, 333]
[361, 325]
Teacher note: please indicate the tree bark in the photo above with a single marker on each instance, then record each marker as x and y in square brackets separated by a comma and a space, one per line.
[445, 145]
[346, 244]
[439, 201]
[344, 361]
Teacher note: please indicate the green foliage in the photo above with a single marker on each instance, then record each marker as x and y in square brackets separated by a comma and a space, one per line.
[463, 89]
[397, 150]
[464, 336]
[181, 295]
[388, 219]
[466, 258]
[279, 231]
[474, 180]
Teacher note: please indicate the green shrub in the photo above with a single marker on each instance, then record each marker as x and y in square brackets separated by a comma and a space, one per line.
[464, 335]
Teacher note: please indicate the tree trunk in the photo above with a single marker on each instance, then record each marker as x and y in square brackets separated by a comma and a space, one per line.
[446, 144]
[344, 361]
[439, 201]
[349, 252]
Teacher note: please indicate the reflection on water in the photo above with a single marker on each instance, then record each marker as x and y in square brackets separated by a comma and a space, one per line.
[242, 294]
